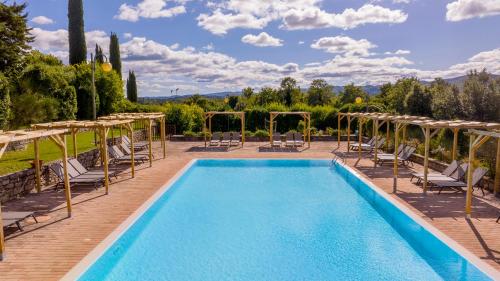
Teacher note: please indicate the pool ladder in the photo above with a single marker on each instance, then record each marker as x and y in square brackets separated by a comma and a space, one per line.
[336, 159]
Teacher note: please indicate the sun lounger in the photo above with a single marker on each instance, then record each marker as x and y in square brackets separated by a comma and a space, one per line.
[290, 139]
[355, 145]
[215, 139]
[226, 139]
[276, 140]
[399, 150]
[459, 185]
[457, 175]
[447, 172]
[126, 150]
[298, 139]
[140, 145]
[75, 178]
[10, 218]
[84, 171]
[235, 139]
[119, 156]
[403, 157]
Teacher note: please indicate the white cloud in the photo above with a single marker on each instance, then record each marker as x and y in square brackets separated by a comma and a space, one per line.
[466, 9]
[150, 9]
[127, 35]
[262, 40]
[398, 52]
[160, 67]
[41, 20]
[209, 47]
[294, 14]
[301, 42]
[344, 45]
[401, 1]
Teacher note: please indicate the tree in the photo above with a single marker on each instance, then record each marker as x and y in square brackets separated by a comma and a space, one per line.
[114, 54]
[131, 87]
[445, 100]
[14, 37]
[319, 93]
[247, 92]
[481, 97]
[418, 101]
[350, 93]
[396, 95]
[288, 89]
[267, 95]
[99, 55]
[76, 32]
[4, 102]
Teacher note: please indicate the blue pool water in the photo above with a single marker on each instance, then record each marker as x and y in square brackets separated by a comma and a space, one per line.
[276, 220]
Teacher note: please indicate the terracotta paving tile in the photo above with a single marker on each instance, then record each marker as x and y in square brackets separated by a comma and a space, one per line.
[47, 250]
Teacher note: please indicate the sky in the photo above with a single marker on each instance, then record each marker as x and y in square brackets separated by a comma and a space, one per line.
[195, 46]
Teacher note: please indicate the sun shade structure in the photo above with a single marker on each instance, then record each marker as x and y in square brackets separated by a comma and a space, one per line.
[478, 138]
[149, 118]
[101, 127]
[58, 136]
[306, 116]
[208, 116]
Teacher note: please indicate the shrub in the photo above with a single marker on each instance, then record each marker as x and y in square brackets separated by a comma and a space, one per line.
[330, 131]
[261, 134]
[190, 134]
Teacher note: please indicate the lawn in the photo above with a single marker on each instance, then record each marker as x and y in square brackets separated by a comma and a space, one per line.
[13, 161]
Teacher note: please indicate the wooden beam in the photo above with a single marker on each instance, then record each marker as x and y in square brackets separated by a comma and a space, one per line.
[338, 130]
[205, 129]
[309, 130]
[150, 139]
[348, 133]
[375, 156]
[3, 148]
[396, 144]
[73, 136]
[38, 183]
[426, 157]
[60, 141]
[163, 137]
[242, 117]
[455, 144]
[360, 136]
[496, 188]
[271, 118]
[104, 134]
[132, 149]
[387, 135]
[468, 196]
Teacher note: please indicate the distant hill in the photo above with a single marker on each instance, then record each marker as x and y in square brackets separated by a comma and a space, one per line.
[370, 89]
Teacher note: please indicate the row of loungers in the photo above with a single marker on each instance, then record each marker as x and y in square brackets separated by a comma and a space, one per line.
[292, 139]
[225, 139]
[369, 146]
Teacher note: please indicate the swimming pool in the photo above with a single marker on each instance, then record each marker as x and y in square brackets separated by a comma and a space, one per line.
[275, 220]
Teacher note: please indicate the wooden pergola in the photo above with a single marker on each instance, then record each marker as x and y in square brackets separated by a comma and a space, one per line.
[101, 127]
[478, 138]
[208, 116]
[148, 118]
[307, 120]
[58, 136]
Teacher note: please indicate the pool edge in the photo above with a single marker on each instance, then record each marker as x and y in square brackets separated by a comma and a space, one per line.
[86, 262]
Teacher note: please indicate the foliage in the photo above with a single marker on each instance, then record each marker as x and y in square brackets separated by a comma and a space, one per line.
[351, 92]
[396, 95]
[261, 134]
[46, 76]
[319, 93]
[76, 32]
[109, 88]
[131, 87]
[445, 100]
[5, 113]
[184, 117]
[418, 101]
[30, 108]
[289, 91]
[99, 55]
[481, 97]
[14, 37]
[114, 54]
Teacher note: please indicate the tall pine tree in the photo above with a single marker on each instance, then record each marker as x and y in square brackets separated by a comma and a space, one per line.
[114, 54]
[131, 87]
[99, 56]
[76, 32]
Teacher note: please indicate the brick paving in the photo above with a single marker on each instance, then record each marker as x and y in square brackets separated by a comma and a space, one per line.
[50, 248]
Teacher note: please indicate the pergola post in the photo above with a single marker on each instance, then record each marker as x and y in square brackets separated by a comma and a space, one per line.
[496, 188]
[150, 140]
[396, 144]
[162, 137]
[426, 157]
[338, 129]
[376, 142]
[73, 136]
[468, 197]
[60, 141]
[348, 132]
[387, 134]
[403, 139]
[309, 130]
[271, 118]
[455, 144]
[130, 128]
[360, 136]
[242, 117]
[205, 128]
[2, 238]
[104, 133]
[38, 182]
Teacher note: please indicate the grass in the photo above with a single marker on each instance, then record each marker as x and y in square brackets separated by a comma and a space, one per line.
[14, 161]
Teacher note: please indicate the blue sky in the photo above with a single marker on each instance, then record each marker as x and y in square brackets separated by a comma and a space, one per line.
[211, 46]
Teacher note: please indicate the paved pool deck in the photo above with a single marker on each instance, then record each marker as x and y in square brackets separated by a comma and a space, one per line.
[49, 249]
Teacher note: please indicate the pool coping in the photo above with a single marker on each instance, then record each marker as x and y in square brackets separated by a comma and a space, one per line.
[84, 264]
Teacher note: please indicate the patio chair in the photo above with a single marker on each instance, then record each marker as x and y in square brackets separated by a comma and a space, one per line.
[76, 178]
[276, 140]
[399, 150]
[477, 176]
[126, 150]
[451, 168]
[118, 156]
[11, 218]
[403, 157]
[226, 139]
[298, 139]
[215, 139]
[140, 145]
[457, 175]
[84, 171]
[355, 145]
[289, 139]
[235, 139]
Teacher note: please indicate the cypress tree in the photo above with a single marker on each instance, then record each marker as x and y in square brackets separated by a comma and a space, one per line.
[131, 87]
[76, 32]
[99, 56]
[114, 54]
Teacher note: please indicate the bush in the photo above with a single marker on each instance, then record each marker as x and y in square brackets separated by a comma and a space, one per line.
[330, 131]
[190, 134]
[4, 102]
[261, 134]
[32, 108]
